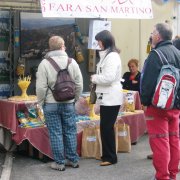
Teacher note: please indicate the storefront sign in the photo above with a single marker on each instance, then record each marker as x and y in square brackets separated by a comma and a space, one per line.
[130, 9]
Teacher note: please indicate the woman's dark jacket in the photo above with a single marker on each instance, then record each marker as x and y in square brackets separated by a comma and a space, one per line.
[127, 84]
[152, 67]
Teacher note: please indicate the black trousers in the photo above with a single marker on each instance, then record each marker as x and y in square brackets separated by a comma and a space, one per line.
[108, 116]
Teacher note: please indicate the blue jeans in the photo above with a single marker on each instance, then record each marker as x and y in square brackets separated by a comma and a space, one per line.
[61, 124]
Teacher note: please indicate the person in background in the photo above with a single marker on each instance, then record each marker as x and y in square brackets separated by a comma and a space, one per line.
[109, 95]
[60, 116]
[176, 42]
[162, 125]
[150, 156]
[132, 78]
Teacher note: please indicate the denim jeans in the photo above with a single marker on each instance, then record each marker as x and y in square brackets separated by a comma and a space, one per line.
[61, 124]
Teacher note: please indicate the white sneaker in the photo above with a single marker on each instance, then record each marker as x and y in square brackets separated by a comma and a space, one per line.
[59, 167]
[70, 163]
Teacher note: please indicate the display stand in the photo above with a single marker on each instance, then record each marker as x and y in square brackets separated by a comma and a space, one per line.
[38, 136]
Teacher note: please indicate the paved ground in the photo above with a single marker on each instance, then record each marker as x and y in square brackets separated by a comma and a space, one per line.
[130, 166]
[2, 157]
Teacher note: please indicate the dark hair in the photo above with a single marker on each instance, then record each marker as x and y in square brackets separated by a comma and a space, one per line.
[176, 42]
[164, 30]
[107, 40]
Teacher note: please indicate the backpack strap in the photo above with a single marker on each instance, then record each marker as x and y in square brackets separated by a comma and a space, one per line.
[160, 54]
[69, 62]
[56, 66]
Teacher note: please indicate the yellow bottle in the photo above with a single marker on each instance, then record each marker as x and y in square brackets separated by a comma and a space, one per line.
[148, 49]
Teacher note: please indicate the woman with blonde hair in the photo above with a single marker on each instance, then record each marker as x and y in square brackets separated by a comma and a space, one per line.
[132, 78]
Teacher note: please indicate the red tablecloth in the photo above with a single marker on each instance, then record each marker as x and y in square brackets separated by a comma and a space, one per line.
[39, 138]
[136, 122]
[8, 114]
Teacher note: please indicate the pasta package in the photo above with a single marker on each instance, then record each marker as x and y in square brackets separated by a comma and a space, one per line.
[129, 102]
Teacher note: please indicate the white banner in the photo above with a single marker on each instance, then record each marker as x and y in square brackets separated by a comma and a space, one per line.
[130, 9]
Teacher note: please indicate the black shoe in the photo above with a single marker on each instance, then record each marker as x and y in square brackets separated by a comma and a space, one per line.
[150, 156]
[134, 143]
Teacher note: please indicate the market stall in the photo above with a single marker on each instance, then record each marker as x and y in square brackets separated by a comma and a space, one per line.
[29, 52]
[38, 136]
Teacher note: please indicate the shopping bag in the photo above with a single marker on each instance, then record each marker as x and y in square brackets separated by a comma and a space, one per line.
[90, 142]
[123, 135]
[93, 96]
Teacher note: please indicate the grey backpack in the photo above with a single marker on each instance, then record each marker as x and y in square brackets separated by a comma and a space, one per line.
[64, 88]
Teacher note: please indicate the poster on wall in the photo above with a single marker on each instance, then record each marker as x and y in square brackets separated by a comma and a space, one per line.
[4, 55]
[4, 91]
[4, 27]
[4, 72]
[36, 31]
[95, 27]
[4, 67]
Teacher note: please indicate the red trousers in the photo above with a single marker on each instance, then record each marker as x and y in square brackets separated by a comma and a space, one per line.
[163, 130]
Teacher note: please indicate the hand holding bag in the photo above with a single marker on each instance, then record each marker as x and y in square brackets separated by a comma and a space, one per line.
[93, 96]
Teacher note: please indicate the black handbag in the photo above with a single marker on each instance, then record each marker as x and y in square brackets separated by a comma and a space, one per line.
[93, 96]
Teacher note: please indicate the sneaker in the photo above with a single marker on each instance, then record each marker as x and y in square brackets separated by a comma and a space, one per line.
[72, 164]
[59, 167]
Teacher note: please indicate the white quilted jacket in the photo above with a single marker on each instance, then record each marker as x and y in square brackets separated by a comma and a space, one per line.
[107, 79]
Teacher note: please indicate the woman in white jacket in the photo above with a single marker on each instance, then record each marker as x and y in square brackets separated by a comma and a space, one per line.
[109, 93]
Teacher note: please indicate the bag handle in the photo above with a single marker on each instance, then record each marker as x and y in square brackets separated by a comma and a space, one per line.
[56, 66]
[120, 121]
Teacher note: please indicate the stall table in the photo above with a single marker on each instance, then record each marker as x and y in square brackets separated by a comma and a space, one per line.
[38, 136]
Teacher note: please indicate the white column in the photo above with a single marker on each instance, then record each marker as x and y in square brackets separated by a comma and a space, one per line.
[176, 19]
